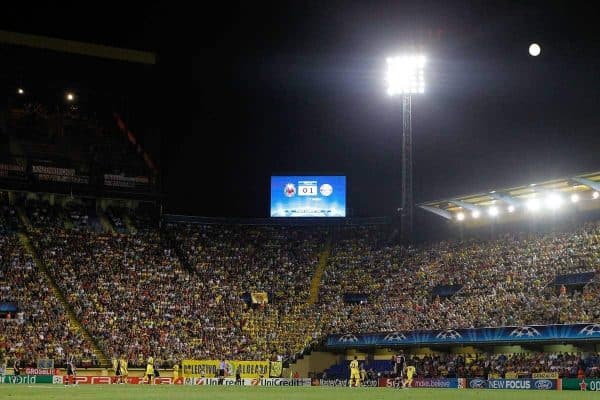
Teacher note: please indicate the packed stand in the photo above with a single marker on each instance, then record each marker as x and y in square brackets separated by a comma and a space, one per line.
[40, 328]
[281, 261]
[182, 292]
[504, 282]
[133, 295]
[129, 292]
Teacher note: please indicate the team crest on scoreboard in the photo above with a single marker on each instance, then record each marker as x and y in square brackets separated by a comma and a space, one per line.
[289, 190]
[326, 189]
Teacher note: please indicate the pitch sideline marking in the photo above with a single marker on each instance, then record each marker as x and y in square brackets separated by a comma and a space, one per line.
[47, 387]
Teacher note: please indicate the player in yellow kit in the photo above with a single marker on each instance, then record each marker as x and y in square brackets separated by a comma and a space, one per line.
[124, 370]
[175, 372]
[410, 372]
[354, 373]
[150, 370]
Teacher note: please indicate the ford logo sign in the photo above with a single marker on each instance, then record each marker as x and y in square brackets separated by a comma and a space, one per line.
[477, 384]
[543, 384]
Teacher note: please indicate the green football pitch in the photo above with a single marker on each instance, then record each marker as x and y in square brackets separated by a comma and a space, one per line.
[172, 392]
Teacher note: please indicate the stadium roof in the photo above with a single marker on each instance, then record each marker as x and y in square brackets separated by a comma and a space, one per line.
[580, 191]
[75, 47]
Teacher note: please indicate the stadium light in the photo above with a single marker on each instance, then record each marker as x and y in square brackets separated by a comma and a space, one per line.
[574, 198]
[533, 205]
[554, 201]
[20, 91]
[405, 77]
[475, 214]
[534, 49]
[460, 216]
[511, 209]
[595, 195]
[405, 74]
[493, 211]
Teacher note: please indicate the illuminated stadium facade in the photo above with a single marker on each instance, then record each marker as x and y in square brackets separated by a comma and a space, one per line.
[563, 195]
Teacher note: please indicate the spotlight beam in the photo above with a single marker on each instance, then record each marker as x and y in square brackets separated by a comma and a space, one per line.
[437, 211]
[505, 198]
[465, 205]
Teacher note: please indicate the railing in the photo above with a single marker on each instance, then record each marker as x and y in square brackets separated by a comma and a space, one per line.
[190, 219]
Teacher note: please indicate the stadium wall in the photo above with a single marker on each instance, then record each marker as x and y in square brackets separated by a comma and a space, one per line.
[314, 363]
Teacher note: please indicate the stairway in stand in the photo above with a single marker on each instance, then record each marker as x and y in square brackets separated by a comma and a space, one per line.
[315, 284]
[75, 324]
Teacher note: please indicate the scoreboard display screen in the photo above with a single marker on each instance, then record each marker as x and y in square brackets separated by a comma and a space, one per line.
[308, 196]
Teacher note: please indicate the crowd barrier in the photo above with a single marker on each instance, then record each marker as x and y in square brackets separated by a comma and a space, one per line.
[588, 384]
[450, 383]
[591, 384]
[526, 384]
[247, 369]
[25, 379]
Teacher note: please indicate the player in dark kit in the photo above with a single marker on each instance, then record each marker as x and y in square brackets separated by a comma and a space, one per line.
[238, 375]
[71, 372]
[399, 366]
[17, 367]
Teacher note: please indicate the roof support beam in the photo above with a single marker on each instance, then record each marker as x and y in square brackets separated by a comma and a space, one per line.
[438, 211]
[74, 47]
[592, 184]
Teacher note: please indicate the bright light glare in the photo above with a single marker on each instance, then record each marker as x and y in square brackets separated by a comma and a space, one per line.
[460, 216]
[475, 214]
[535, 49]
[70, 96]
[493, 211]
[554, 201]
[595, 195]
[533, 205]
[574, 198]
[405, 75]
[511, 209]
[20, 91]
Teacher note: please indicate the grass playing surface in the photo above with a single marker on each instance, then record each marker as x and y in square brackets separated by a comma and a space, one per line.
[172, 392]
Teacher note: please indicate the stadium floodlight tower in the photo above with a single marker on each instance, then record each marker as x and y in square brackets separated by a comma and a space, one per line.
[405, 77]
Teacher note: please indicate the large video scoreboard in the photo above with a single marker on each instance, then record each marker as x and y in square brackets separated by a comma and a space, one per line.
[308, 196]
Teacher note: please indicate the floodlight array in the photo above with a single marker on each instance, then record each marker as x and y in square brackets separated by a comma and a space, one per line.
[405, 75]
[534, 205]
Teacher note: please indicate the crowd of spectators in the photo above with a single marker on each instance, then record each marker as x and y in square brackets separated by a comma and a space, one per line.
[129, 292]
[133, 295]
[277, 260]
[504, 282]
[184, 291]
[40, 327]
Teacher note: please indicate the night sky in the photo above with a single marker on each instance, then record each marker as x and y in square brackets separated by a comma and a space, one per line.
[297, 87]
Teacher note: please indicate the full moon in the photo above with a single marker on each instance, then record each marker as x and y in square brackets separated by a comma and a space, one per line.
[535, 49]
